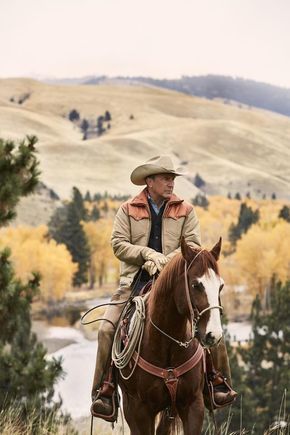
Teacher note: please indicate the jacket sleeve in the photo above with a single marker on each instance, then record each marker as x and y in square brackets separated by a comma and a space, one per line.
[123, 249]
[190, 231]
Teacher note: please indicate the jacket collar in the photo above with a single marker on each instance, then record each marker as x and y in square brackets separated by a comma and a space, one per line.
[141, 199]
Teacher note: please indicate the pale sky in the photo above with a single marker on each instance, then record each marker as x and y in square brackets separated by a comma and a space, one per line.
[158, 38]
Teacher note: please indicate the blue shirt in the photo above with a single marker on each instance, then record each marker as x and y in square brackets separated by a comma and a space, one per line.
[155, 207]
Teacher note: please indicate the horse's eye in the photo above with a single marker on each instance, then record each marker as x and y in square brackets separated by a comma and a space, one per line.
[221, 287]
[195, 285]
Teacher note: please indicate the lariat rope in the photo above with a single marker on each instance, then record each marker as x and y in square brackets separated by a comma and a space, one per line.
[122, 357]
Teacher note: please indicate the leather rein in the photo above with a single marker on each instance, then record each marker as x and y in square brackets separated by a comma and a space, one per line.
[171, 375]
[195, 314]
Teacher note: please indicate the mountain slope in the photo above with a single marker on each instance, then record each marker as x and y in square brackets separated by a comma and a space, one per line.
[233, 149]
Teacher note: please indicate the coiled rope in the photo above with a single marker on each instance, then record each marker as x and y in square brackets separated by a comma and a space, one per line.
[122, 357]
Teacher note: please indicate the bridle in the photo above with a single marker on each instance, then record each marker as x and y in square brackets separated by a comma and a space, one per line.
[195, 314]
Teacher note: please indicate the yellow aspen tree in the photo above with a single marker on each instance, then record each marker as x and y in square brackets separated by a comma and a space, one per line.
[102, 258]
[33, 252]
[263, 252]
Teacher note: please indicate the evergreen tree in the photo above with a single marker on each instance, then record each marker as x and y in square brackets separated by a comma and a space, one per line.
[200, 201]
[100, 127]
[26, 376]
[95, 215]
[247, 217]
[107, 116]
[85, 125]
[260, 369]
[266, 360]
[285, 213]
[65, 227]
[18, 174]
[198, 181]
[78, 202]
[88, 196]
[74, 115]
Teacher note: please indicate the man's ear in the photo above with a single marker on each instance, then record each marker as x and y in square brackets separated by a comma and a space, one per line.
[216, 250]
[186, 250]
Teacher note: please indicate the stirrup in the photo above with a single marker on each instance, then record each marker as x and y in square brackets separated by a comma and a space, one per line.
[111, 418]
[210, 401]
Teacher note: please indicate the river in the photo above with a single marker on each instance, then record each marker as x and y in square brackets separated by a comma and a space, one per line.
[78, 355]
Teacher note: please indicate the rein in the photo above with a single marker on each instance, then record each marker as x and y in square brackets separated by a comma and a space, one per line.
[192, 309]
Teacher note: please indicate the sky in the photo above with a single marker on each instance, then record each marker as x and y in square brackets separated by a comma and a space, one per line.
[157, 38]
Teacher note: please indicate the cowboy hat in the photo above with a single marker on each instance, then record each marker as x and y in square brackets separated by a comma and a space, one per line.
[157, 165]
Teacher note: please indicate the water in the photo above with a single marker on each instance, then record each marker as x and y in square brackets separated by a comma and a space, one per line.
[79, 362]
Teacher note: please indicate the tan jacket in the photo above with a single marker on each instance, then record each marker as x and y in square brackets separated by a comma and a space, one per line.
[132, 226]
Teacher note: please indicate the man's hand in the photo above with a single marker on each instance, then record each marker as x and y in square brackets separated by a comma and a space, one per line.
[157, 258]
[150, 267]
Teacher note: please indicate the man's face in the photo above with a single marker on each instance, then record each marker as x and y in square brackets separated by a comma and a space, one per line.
[161, 185]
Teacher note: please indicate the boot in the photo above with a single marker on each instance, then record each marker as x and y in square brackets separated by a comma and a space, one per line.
[218, 392]
[104, 401]
[222, 393]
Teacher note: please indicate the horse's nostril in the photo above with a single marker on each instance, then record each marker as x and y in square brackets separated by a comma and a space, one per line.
[209, 339]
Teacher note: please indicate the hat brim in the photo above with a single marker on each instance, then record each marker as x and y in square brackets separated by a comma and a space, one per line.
[139, 175]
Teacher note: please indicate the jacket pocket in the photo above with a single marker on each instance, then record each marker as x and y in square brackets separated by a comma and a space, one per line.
[172, 231]
[140, 230]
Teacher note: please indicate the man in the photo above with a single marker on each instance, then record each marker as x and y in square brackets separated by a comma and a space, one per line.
[146, 236]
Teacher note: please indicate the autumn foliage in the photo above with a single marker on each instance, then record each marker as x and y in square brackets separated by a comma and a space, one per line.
[260, 254]
[33, 252]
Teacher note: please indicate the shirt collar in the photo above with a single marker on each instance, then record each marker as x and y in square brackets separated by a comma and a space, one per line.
[156, 208]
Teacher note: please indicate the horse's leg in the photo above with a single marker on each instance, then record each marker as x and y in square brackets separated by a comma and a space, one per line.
[164, 424]
[138, 417]
[192, 417]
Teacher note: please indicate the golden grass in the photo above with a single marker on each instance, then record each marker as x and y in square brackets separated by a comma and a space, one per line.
[227, 145]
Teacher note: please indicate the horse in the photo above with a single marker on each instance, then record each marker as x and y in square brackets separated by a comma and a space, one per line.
[168, 380]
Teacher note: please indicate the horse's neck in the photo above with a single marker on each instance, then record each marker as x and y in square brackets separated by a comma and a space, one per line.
[163, 312]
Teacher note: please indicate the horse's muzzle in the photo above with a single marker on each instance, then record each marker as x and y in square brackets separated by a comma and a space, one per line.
[210, 340]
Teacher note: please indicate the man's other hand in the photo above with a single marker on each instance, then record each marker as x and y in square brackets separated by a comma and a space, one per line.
[158, 259]
[150, 267]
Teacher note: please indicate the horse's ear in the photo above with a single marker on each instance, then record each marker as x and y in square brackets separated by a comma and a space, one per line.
[216, 250]
[185, 250]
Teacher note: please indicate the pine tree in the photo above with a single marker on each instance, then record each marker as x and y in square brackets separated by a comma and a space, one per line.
[285, 213]
[65, 227]
[74, 115]
[263, 373]
[26, 376]
[88, 196]
[247, 217]
[198, 181]
[95, 215]
[18, 174]
[200, 201]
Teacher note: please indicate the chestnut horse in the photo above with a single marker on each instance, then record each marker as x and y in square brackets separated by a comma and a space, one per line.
[184, 298]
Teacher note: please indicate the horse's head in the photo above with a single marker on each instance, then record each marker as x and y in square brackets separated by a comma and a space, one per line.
[203, 288]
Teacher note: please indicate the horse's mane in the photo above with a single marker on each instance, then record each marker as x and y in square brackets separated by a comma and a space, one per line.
[170, 276]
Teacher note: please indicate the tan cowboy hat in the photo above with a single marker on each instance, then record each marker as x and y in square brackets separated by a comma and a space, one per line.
[156, 165]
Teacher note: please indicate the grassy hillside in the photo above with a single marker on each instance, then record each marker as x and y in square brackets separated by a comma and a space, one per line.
[233, 149]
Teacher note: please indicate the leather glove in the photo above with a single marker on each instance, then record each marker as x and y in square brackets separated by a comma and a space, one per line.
[159, 259]
[150, 267]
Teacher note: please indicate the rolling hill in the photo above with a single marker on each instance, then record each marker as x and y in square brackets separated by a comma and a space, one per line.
[234, 149]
